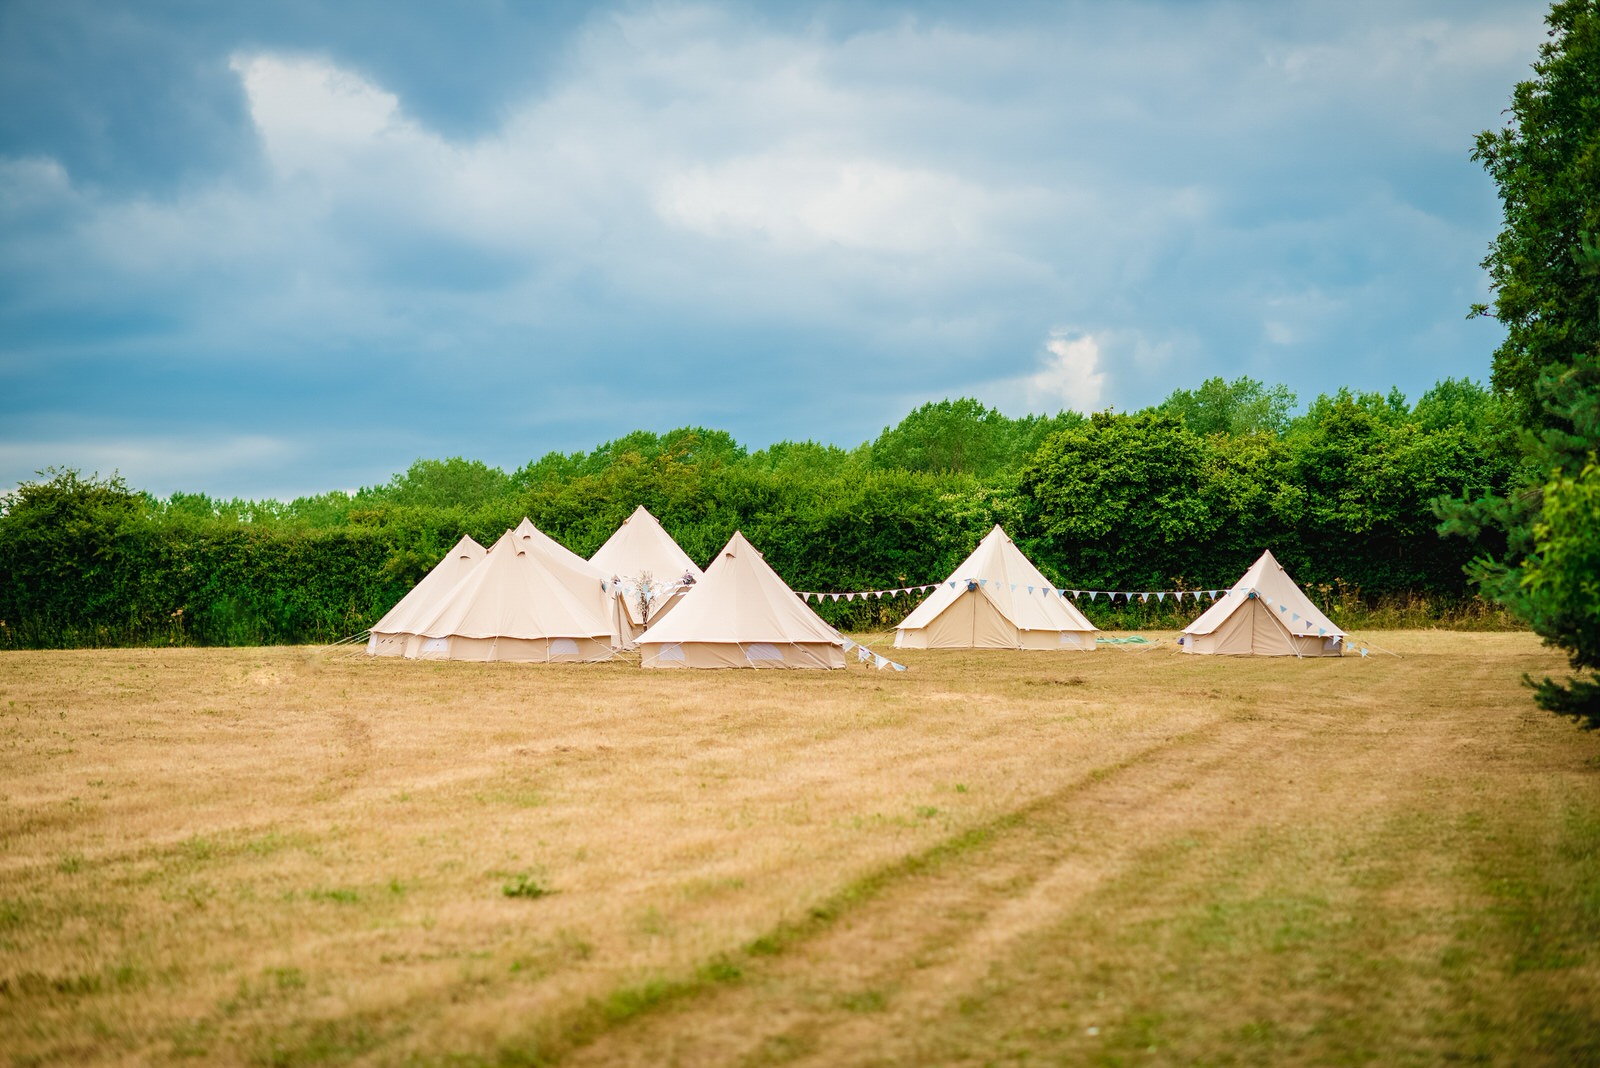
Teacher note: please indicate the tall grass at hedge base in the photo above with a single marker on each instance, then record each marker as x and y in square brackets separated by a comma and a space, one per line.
[230, 623]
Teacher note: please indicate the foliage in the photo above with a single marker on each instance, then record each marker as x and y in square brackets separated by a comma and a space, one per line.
[1560, 592]
[1113, 501]
[1119, 499]
[1243, 406]
[962, 437]
[1544, 267]
[1546, 163]
[452, 483]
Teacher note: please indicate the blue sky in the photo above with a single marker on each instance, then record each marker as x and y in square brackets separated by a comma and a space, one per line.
[276, 249]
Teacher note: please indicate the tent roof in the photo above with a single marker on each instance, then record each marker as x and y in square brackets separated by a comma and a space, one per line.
[741, 599]
[577, 574]
[513, 592]
[414, 608]
[1272, 584]
[641, 546]
[1011, 583]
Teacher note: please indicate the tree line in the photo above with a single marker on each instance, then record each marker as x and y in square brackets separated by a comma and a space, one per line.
[1183, 495]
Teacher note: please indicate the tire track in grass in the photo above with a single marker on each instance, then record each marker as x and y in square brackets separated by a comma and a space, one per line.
[899, 946]
[924, 943]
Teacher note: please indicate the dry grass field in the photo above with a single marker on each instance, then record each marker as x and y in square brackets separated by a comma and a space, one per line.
[287, 856]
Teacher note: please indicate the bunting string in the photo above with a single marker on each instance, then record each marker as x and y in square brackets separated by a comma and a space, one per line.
[1041, 591]
[867, 656]
[868, 594]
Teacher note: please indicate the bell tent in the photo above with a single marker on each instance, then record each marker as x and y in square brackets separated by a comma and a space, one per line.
[741, 615]
[650, 573]
[514, 605]
[1264, 614]
[996, 599]
[391, 635]
[586, 582]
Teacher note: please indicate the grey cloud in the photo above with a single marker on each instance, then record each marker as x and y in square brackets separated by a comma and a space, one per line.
[783, 222]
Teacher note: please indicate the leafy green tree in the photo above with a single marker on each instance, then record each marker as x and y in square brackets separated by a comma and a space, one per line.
[1243, 406]
[954, 436]
[1360, 488]
[1464, 403]
[798, 457]
[1560, 592]
[1030, 431]
[1120, 499]
[1544, 269]
[64, 549]
[1546, 162]
[447, 484]
[963, 437]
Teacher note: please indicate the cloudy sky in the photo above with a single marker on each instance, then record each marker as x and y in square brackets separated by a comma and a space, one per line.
[275, 249]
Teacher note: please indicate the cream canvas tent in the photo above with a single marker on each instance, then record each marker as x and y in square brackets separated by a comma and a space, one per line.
[586, 582]
[650, 573]
[513, 605]
[391, 634]
[1265, 614]
[996, 599]
[741, 614]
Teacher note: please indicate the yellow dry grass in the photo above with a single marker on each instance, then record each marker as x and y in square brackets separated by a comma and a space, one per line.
[285, 856]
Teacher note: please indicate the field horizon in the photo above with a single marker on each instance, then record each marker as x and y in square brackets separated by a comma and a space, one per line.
[296, 855]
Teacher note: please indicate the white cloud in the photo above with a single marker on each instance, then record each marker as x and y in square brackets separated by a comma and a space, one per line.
[800, 200]
[160, 463]
[30, 186]
[311, 115]
[1071, 375]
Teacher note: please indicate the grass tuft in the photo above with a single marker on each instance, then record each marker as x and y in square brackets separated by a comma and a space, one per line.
[525, 885]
